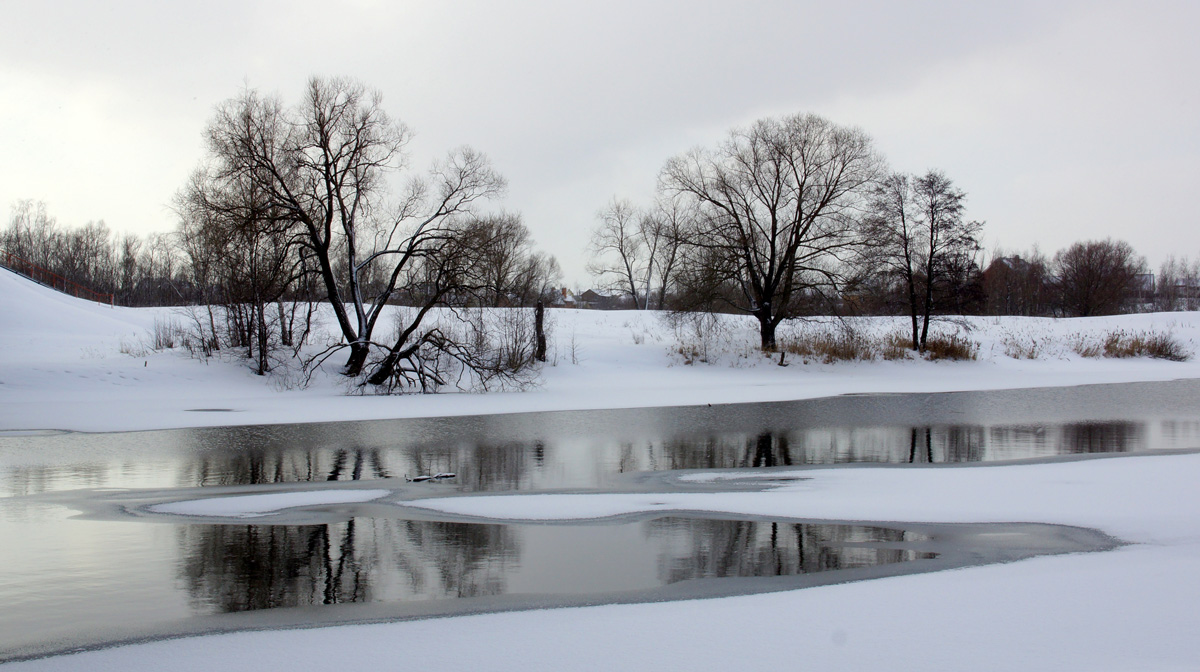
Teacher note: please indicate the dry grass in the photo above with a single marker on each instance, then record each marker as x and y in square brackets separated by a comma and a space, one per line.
[952, 347]
[699, 337]
[1122, 344]
[1024, 349]
[895, 346]
[690, 353]
[850, 346]
[830, 347]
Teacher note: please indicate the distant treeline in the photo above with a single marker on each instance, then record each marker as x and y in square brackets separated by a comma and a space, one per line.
[178, 268]
[137, 271]
[1087, 278]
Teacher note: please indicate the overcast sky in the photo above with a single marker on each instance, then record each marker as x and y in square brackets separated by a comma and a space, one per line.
[1061, 120]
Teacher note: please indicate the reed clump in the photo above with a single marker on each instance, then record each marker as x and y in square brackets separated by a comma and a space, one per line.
[1124, 344]
[847, 345]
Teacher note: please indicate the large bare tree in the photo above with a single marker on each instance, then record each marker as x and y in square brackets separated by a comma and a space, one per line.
[778, 207]
[324, 167]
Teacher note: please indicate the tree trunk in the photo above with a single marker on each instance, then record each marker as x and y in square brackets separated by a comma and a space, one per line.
[384, 371]
[928, 312]
[215, 341]
[913, 307]
[916, 336]
[357, 359]
[928, 291]
[539, 328]
[766, 326]
[285, 324]
[261, 336]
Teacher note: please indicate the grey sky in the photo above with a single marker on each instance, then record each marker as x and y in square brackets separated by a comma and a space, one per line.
[1061, 120]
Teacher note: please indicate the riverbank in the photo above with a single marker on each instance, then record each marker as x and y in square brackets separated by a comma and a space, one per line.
[69, 364]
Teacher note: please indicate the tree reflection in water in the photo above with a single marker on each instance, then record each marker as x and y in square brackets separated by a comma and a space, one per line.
[242, 567]
[888, 445]
[240, 456]
[1101, 437]
[707, 549]
[284, 464]
[236, 568]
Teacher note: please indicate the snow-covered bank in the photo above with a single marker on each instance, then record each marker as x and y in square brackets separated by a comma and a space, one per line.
[1128, 609]
[70, 364]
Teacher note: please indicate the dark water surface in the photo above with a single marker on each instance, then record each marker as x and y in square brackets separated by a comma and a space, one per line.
[118, 573]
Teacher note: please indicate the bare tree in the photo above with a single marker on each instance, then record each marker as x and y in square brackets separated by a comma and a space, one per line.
[30, 231]
[427, 354]
[947, 235]
[322, 167]
[635, 249]
[895, 246]
[620, 258]
[1097, 277]
[240, 247]
[777, 210]
[509, 246]
[1178, 284]
[663, 229]
[513, 273]
[917, 233]
[92, 263]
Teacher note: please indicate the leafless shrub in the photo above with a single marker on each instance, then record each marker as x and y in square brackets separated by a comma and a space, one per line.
[470, 349]
[168, 333]
[203, 338]
[698, 335]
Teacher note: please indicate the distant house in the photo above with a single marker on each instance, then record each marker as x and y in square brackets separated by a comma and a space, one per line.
[564, 299]
[590, 300]
[593, 299]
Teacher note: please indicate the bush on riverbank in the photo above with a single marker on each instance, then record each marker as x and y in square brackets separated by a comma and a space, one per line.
[1123, 344]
